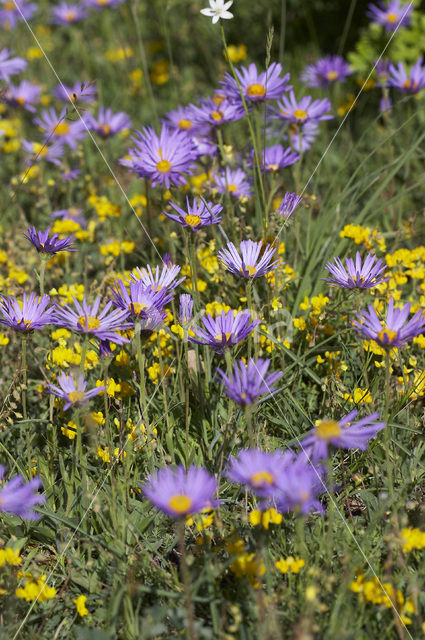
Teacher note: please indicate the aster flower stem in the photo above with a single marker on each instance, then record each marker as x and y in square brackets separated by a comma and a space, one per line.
[141, 363]
[84, 352]
[43, 263]
[248, 419]
[163, 381]
[251, 128]
[249, 285]
[193, 270]
[180, 530]
[387, 431]
[24, 400]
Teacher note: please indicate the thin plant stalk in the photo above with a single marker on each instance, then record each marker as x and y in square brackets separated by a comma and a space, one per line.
[387, 430]
[186, 578]
[24, 400]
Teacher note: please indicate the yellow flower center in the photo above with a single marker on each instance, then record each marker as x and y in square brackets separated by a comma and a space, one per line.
[217, 115]
[392, 17]
[137, 307]
[232, 188]
[262, 477]
[327, 429]
[70, 15]
[222, 337]
[20, 100]
[185, 124]
[27, 324]
[106, 129]
[163, 166]
[9, 6]
[180, 503]
[192, 221]
[76, 396]
[387, 336]
[248, 269]
[256, 90]
[332, 75]
[88, 323]
[272, 167]
[61, 129]
[300, 114]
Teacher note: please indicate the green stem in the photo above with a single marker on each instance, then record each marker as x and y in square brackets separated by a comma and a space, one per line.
[186, 578]
[141, 363]
[42, 273]
[387, 430]
[24, 400]
[84, 353]
[193, 271]
[248, 288]
[248, 419]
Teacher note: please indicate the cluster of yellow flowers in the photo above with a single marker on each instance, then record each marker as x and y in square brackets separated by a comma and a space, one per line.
[265, 518]
[289, 564]
[413, 538]
[370, 238]
[376, 592]
[104, 208]
[34, 588]
[9, 556]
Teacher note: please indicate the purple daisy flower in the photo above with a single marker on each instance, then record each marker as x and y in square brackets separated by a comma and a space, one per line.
[249, 263]
[302, 111]
[19, 497]
[73, 213]
[395, 331]
[50, 153]
[165, 278]
[256, 87]
[65, 13]
[343, 434]
[197, 215]
[326, 71]
[213, 115]
[407, 83]
[107, 123]
[86, 319]
[224, 331]
[356, 275]
[101, 4]
[58, 128]
[204, 146]
[13, 11]
[299, 486]
[73, 392]
[258, 470]
[288, 205]
[185, 308]
[71, 174]
[180, 493]
[30, 314]
[79, 92]
[44, 244]
[10, 66]
[275, 158]
[248, 382]
[25, 95]
[141, 301]
[181, 119]
[391, 16]
[302, 137]
[234, 182]
[162, 159]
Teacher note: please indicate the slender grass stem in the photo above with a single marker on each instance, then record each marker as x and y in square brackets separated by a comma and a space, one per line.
[24, 340]
[186, 579]
[387, 430]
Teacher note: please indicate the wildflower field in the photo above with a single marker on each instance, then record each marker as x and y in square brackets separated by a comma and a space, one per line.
[212, 319]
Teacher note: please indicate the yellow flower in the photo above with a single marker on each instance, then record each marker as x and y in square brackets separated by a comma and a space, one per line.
[70, 431]
[360, 396]
[35, 588]
[413, 538]
[237, 52]
[80, 603]
[4, 340]
[250, 566]
[291, 564]
[264, 518]
[9, 556]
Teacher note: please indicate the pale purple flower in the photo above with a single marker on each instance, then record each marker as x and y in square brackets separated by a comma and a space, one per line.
[58, 127]
[356, 275]
[199, 214]
[405, 82]
[107, 123]
[49, 152]
[253, 261]
[392, 15]
[234, 182]
[275, 158]
[25, 95]
[248, 381]
[77, 93]
[141, 301]
[14, 11]
[394, 331]
[101, 4]
[185, 308]
[20, 497]
[27, 315]
[302, 111]
[73, 392]
[49, 245]
[160, 278]
[258, 470]
[224, 331]
[302, 137]
[326, 71]
[299, 487]
[73, 213]
[288, 204]
[209, 113]
[10, 66]
[256, 87]
[87, 319]
[182, 119]
[65, 13]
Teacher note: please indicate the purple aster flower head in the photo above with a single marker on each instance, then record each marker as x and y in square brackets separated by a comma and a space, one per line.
[326, 71]
[394, 331]
[392, 15]
[199, 214]
[204, 146]
[52, 245]
[71, 174]
[165, 278]
[383, 70]
[87, 319]
[180, 493]
[162, 159]
[256, 87]
[25, 95]
[141, 301]
[356, 275]
[302, 137]
[167, 259]
[20, 497]
[107, 123]
[185, 308]
[213, 115]
[224, 331]
[13, 11]
[30, 314]
[343, 434]
[65, 13]
[253, 261]
[385, 104]
[10, 66]
[77, 93]
[73, 213]
[73, 392]
[181, 119]
[233, 181]
[49, 152]
[258, 470]
[57, 127]
[299, 487]
[101, 4]
[302, 111]
[407, 83]
[288, 205]
[248, 381]
[274, 158]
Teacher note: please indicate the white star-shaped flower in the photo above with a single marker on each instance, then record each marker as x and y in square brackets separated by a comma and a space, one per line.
[218, 9]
